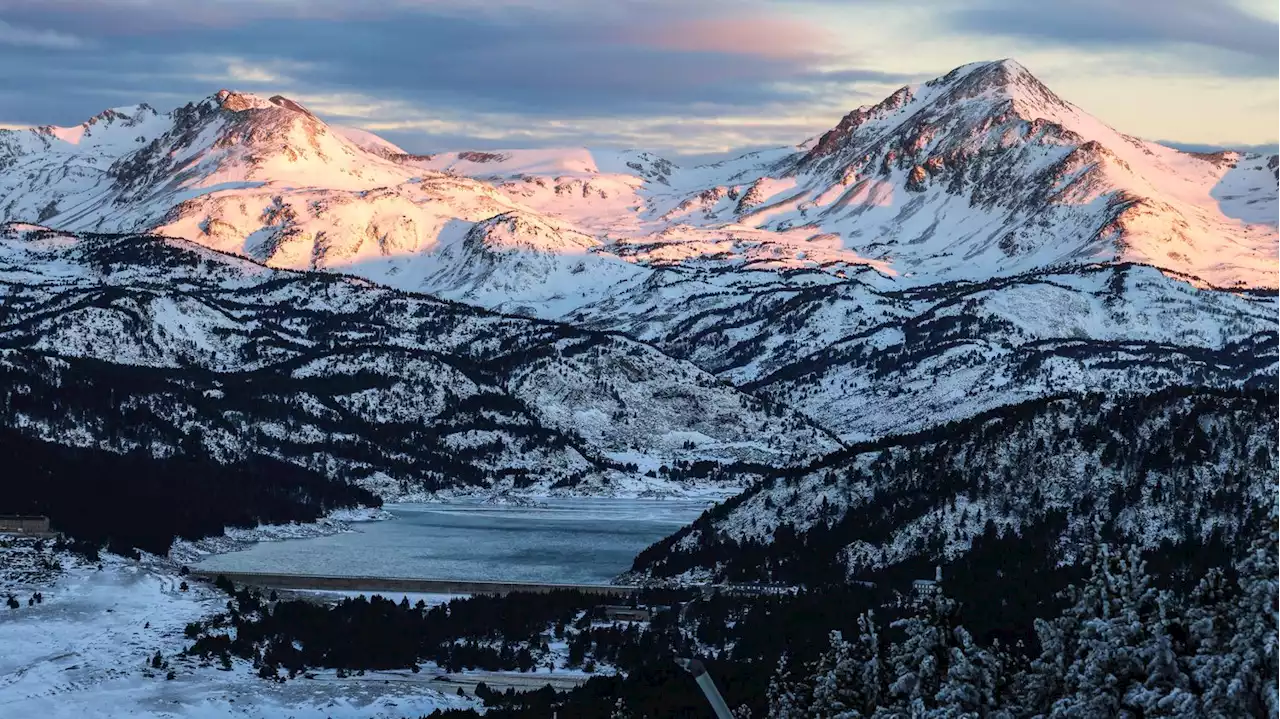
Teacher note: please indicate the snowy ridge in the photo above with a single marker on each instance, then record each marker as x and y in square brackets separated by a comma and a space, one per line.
[404, 392]
[866, 362]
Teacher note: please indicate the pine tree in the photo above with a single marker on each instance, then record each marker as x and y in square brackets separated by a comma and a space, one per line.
[1110, 653]
[870, 687]
[1209, 627]
[834, 680]
[788, 699]
[1255, 647]
[1102, 661]
[974, 681]
[919, 662]
[1167, 689]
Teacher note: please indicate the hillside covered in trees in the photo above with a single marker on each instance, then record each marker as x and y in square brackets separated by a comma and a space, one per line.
[135, 500]
[138, 342]
[1192, 468]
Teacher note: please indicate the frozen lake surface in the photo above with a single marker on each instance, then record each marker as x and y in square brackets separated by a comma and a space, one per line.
[571, 541]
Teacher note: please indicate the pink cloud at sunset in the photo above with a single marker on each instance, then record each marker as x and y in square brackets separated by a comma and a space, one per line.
[761, 35]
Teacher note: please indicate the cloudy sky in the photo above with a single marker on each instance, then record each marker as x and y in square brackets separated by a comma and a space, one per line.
[681, 76]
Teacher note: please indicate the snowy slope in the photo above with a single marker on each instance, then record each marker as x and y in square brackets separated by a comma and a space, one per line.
[402, 391]
[85, 650]
[864, 361]
[979, 173]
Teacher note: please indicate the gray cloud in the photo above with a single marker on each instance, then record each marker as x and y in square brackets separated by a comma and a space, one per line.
[1264, 149]
[608, 60]
[18, 36]
[535, 67]
[532, 71]
[1250, 41]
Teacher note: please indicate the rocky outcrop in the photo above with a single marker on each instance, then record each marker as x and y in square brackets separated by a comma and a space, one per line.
[838, 137]
[751, 198]
[916, 179]
[471, 156]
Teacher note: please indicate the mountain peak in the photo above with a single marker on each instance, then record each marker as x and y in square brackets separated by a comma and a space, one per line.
[241, 101]
[113, 120]
[998, 80]
[982, 93]
[519, 230]
[1006, 67]
[130, 115]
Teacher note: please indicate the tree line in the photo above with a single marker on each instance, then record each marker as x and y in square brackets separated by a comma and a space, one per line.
[1122, 647]
[135, 500]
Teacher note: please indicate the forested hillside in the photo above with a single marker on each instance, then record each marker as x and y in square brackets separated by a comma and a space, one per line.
[1186, 465]
[169, 345]
[136, 500]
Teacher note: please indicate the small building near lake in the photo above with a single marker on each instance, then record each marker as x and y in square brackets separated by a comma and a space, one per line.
[628, 614]
[24, 524]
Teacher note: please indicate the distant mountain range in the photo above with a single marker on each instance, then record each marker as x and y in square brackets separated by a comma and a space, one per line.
[238, 276]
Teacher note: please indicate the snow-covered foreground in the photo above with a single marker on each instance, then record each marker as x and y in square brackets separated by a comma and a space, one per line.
[85, 651]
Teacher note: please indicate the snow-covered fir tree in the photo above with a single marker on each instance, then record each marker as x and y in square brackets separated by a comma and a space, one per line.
[1253, 642]
[788, 698]
[1123, 647]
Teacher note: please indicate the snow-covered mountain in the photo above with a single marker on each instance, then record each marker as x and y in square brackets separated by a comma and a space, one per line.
[136, 341]
[967, 243]
[979, 173]
[986, 171]
[866, 362]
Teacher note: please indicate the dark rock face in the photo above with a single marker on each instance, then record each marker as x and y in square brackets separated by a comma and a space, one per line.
[751, 198]
[470, 156]
[652, 167]
[916, 180]
[288, 104]
[836, 138]
[48, 211]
